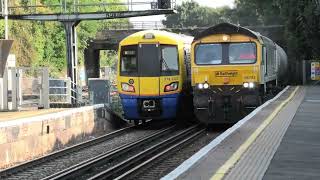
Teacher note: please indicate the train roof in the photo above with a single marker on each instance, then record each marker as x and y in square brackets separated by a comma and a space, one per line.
[228, 28]
[159, 34]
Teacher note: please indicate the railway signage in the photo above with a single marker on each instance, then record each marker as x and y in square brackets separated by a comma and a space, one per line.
[315, 71]
[226, 73]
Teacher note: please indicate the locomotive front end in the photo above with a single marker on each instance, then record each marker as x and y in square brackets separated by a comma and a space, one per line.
[226, 76]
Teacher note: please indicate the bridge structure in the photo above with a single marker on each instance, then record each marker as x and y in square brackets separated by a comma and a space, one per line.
[108, 39]
[71, 12]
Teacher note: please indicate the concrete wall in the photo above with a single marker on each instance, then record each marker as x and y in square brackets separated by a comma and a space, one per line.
[25, 139]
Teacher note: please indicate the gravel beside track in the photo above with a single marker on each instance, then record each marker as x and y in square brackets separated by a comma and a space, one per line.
[119, 159]
[169, 162]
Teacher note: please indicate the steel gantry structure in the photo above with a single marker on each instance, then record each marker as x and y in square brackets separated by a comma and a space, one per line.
[70, 13]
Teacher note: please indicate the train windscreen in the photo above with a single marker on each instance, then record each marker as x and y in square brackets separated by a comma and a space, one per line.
[169, 60]
[129, 64]
[242, 53]
[226, 53]
[149, 60]
[209, 54]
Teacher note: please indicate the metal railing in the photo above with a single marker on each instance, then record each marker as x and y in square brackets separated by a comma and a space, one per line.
[25, 87]
[141, 25]
[76, 6]
[60, 91]
[136, 25]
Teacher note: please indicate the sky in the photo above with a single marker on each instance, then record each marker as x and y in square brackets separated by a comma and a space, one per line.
[210, 3]
[213, 3]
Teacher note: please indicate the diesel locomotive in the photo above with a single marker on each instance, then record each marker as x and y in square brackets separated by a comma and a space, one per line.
[233, 68]
[153, 71]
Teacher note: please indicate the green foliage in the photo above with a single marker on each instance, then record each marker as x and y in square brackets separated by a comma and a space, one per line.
[190, 14]
[108, 58]
[301, 19]
[38, 44]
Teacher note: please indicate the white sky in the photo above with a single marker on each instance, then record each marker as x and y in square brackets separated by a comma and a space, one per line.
[214, 3]
[210, 3]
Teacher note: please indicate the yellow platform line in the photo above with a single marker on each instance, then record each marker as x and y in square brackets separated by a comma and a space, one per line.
[221, 172]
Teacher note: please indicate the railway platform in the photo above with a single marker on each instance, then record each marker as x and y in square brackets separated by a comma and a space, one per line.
[15, 115]
[278, 140]
[25, 135]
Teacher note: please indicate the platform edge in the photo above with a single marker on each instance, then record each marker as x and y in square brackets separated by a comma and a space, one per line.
[187, 164]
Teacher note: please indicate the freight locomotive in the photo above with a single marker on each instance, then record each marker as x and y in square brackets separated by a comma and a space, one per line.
[233, 68]
[152, 79]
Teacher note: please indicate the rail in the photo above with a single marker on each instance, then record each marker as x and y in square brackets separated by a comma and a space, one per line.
[79, 147]
[110, 165]
[83, 167]
[124, 169]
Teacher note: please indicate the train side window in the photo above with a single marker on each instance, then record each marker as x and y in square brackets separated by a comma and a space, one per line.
[264, 59]
[275, 59]
[270, 60]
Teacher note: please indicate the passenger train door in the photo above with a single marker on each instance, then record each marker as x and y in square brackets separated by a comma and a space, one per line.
[149, 69]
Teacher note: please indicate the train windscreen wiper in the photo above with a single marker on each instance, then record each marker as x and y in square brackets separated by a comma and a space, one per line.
[163, 61]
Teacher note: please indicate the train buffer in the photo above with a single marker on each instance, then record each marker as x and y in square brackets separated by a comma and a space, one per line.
[278, 140]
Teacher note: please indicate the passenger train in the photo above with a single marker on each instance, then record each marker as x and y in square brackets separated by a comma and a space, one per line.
[233, 68]
[152, 79]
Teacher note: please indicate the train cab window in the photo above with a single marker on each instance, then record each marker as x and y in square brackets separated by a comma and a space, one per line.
[169, 60]
[242, 53]
[129, 61]
[208, 54]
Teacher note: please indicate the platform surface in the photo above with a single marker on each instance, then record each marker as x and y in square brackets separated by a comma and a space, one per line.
[286, 147]
[298, 156]
[8, 116]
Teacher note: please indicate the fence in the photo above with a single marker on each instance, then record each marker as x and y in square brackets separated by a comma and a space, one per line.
[25, 88]
[99, 90]
[136, 25]
[60, 91]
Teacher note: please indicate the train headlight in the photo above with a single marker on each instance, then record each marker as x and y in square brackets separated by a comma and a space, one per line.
[251, 85]
[127, 87]
[205, 85]
[171, 87]
[200, 86]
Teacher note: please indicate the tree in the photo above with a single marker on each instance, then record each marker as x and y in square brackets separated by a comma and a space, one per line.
[191, 14]
[302, 20]
[38, 44]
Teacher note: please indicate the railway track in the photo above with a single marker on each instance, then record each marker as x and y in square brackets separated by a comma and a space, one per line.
[121, 162]
[45, 166]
